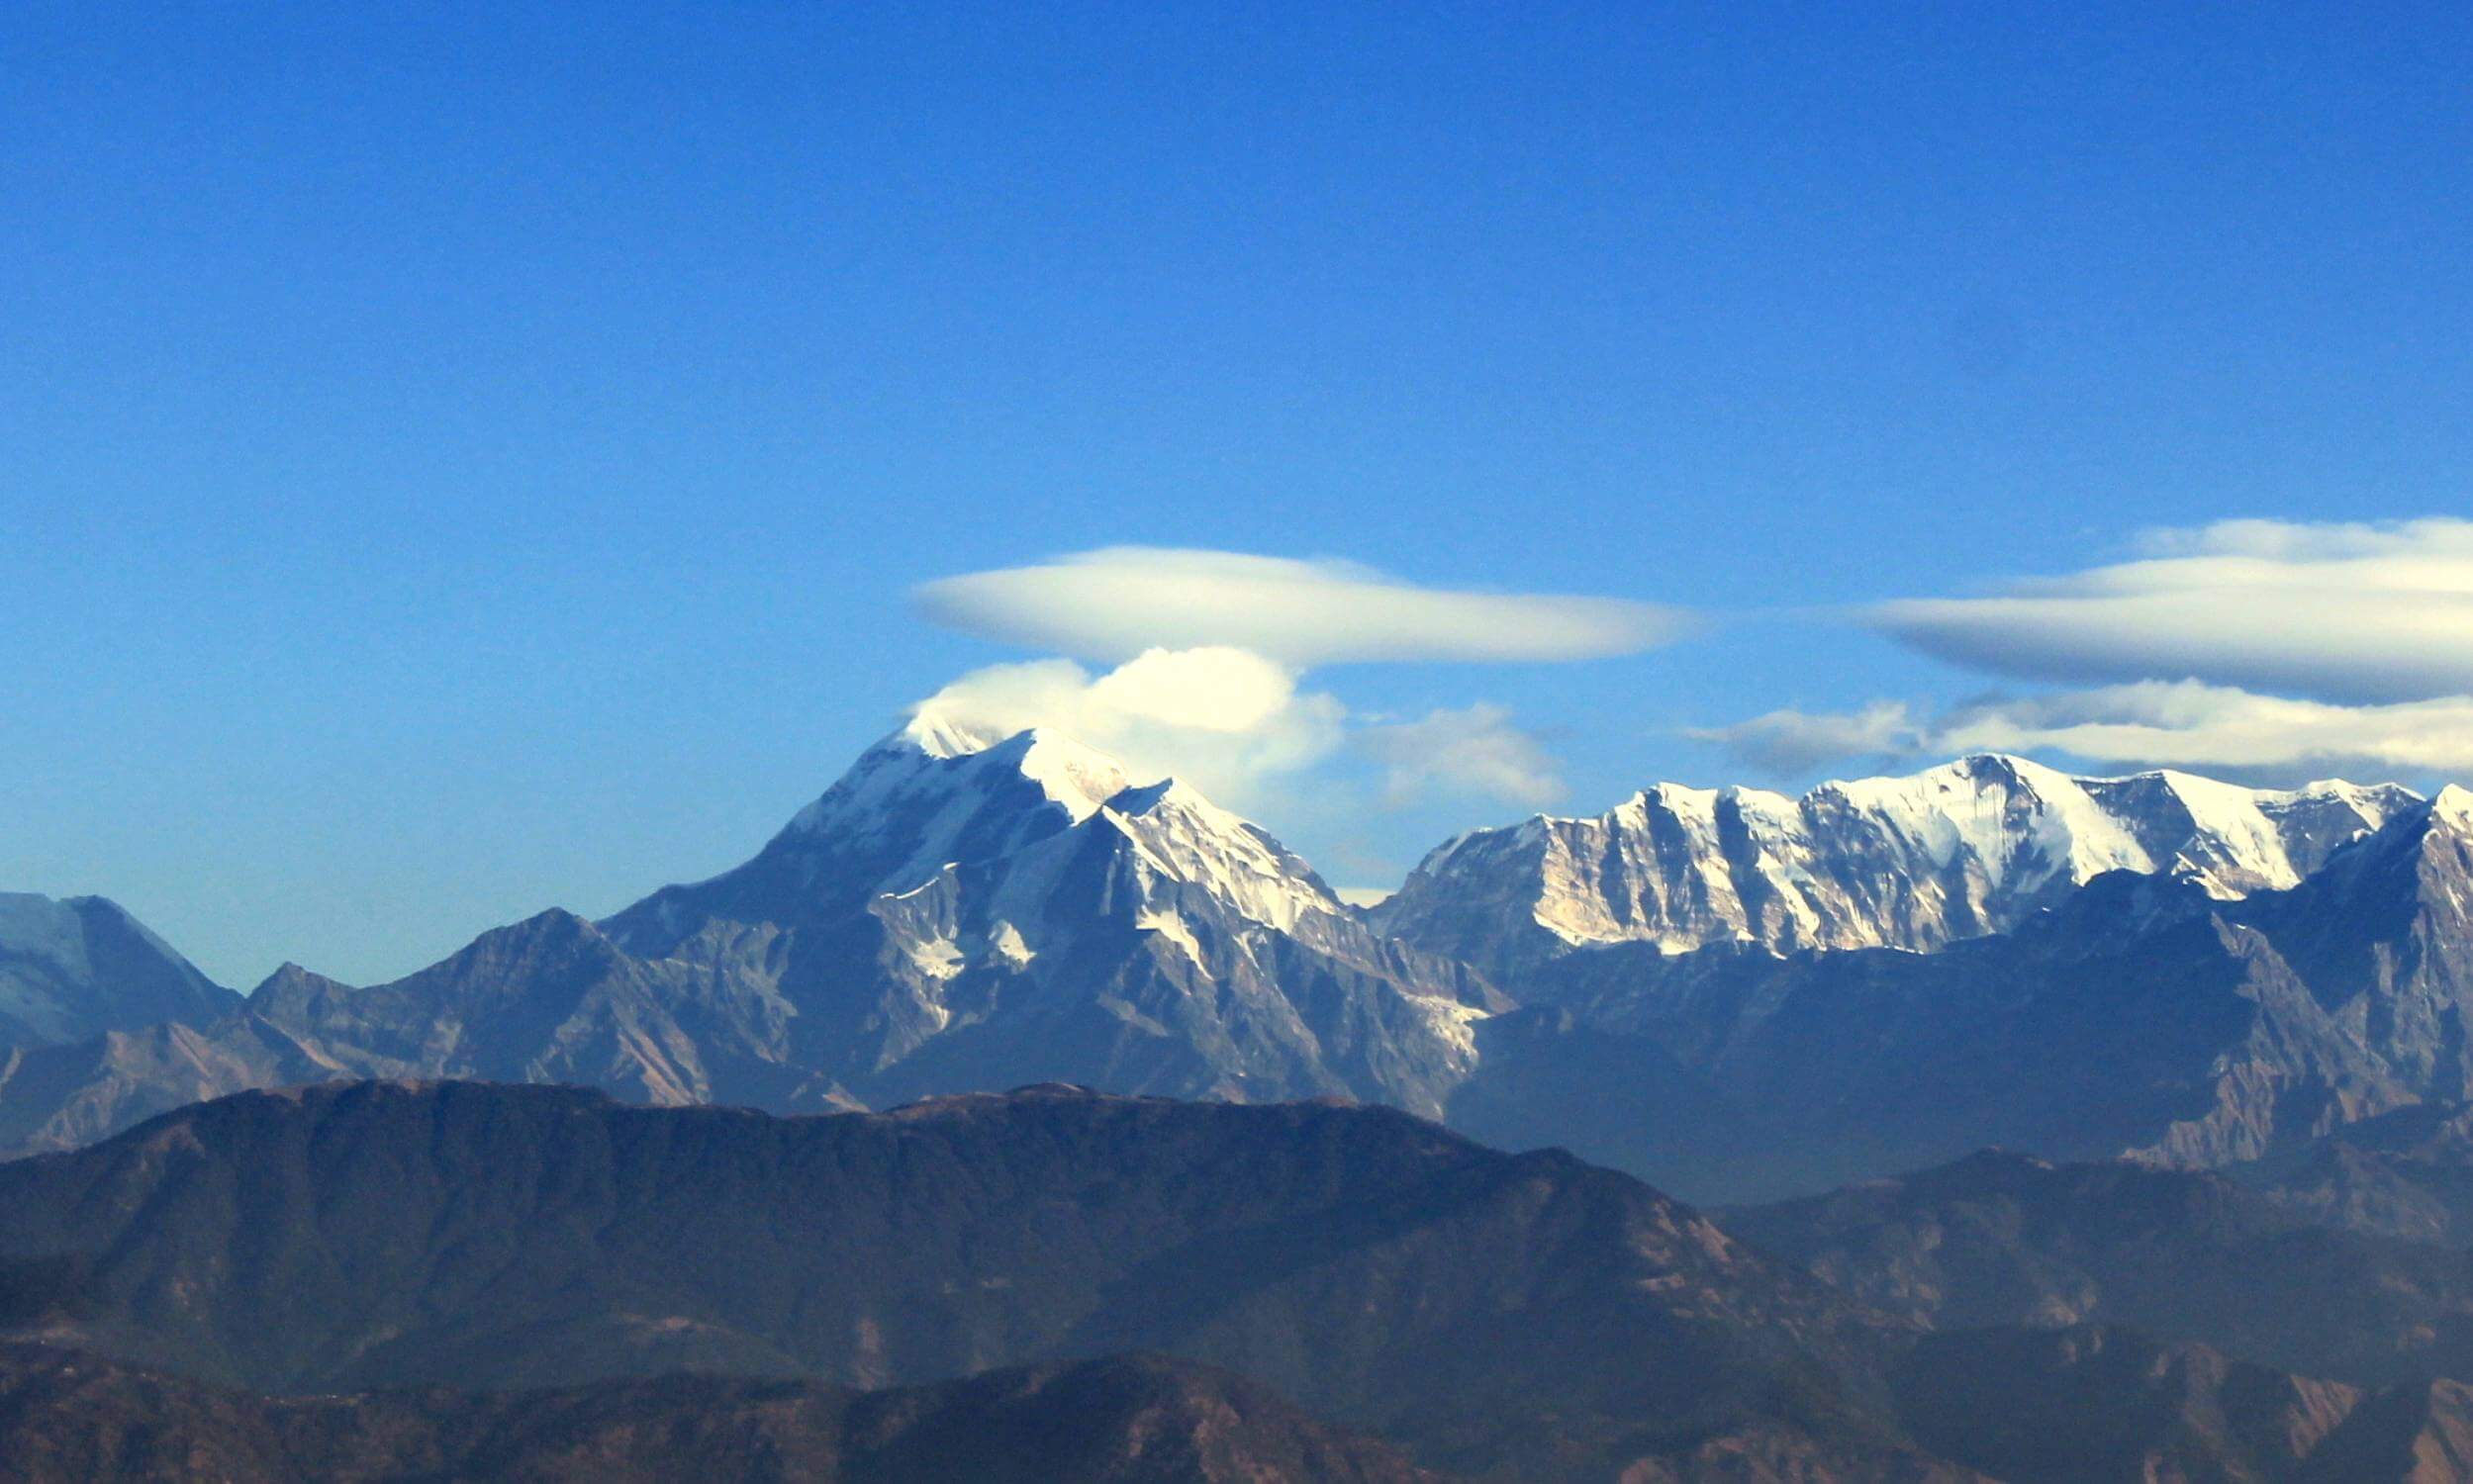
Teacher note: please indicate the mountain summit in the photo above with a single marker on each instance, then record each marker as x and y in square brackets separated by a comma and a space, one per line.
[964, 911]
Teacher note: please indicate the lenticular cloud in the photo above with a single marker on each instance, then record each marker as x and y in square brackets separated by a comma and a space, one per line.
[1117, 601]
[2341, 613]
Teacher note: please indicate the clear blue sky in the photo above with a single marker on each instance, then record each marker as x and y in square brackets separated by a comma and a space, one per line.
[459, 459]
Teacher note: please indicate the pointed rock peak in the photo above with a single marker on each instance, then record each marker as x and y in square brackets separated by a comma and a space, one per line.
[289, 975]
[933, 754]
[557, 925]
[2453, 807]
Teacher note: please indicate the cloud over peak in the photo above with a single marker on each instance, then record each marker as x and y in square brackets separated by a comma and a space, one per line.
[1117, 601]
[1224, 720]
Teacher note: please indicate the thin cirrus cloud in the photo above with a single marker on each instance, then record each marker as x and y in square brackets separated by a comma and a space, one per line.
[1117, 601]
[1793, 741]
[2363, 613]
[1471, 749]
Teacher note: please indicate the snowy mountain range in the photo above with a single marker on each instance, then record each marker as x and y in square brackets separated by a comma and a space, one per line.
[1961, 850]
[1876, 975]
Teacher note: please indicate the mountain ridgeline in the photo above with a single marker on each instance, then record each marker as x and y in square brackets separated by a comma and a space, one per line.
[1738, 994]
[1182, 1166]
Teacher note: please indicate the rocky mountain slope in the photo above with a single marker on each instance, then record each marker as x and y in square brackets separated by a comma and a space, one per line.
[1492, 1312]
[68, 1418]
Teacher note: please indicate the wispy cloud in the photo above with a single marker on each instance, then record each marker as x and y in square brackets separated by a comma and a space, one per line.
[1793, 742]
[1474, 750]
[1114, 602]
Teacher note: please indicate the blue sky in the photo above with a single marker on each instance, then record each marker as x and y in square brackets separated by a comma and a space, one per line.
[452, 463]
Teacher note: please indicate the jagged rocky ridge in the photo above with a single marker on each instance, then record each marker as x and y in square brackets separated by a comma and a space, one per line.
[1738, 994]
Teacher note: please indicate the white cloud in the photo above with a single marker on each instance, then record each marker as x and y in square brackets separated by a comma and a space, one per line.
[1235, 725]
[1227, 722]
[2345, 612]
[1472, 750]
[2195, 725]
[2150, 723]
[1791, 741]
[1114, 602]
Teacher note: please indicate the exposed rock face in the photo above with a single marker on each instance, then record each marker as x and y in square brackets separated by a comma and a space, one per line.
[76, 968]
[55, 1097]
[1526, 1314]
[68, 1418]
[1961, 850]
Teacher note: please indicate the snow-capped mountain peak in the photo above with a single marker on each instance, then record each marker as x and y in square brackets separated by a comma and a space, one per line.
[2453, 806]
[1188, 838]
[951, 883]
[1956, 851]
[931, 756]
[938, 800]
